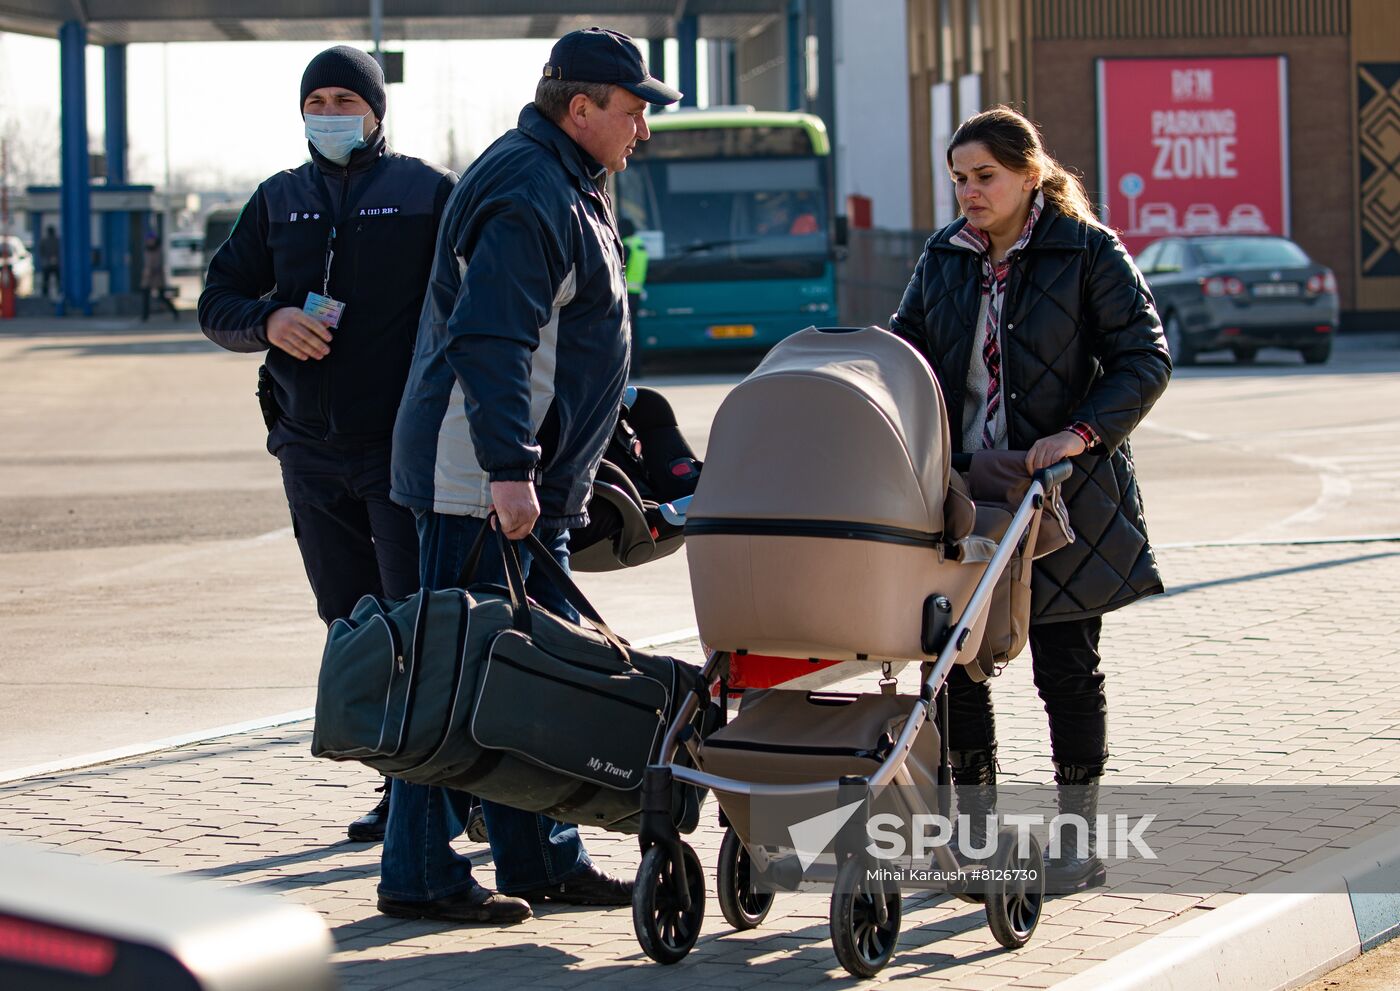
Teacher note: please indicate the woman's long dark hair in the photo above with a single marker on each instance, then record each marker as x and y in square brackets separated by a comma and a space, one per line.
[1015, 142]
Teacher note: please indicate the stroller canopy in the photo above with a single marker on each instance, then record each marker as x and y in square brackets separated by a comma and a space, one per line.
[843, 426]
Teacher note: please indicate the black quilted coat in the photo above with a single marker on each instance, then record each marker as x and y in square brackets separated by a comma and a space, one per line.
[1081, 341]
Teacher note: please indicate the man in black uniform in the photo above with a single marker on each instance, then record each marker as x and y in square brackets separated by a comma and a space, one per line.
[326, 270]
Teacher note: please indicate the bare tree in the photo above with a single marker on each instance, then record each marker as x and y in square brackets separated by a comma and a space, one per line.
[32, 136]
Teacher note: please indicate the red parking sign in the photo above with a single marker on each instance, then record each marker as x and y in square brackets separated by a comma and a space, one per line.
[1193, 146]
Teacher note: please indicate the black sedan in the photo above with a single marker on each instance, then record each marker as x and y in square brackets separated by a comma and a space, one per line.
[1240, 293]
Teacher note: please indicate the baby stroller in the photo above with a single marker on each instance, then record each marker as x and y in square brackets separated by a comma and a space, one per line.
[643, 484]
[830, 530]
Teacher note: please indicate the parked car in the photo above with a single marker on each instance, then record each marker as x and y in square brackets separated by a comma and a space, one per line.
[184, 254]
[1156, 218]
[1240, 293]
[21, 262]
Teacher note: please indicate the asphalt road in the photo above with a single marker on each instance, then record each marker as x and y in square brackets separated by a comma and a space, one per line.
[149, 585]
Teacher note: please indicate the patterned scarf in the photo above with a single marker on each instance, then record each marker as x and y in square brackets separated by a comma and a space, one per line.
[993, 287]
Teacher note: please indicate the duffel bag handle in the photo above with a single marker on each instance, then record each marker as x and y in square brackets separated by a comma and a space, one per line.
[510, 564]
[515, 583]
[545, 561]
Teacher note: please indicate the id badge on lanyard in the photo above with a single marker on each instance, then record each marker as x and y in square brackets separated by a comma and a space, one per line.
[320, 305]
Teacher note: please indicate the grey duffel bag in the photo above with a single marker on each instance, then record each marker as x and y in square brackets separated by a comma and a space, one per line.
[488, 692]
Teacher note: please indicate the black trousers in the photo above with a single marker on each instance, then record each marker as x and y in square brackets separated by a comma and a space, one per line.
[1065, 667]
[354, 541]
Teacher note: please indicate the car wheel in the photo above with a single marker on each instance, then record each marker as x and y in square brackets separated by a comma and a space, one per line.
[1246, 356]
[1317, 354]
[1182, 353]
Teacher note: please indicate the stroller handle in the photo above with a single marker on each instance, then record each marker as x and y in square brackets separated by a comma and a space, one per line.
[1048, 477]
[1053, 475]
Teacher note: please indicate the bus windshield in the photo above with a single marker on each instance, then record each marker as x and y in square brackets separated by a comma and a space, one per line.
[741, 203]
[746, 209]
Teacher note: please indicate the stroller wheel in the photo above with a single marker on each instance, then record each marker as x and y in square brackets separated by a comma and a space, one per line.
[665, 930]
[743, 907]
[862, 943]
[1016, 891]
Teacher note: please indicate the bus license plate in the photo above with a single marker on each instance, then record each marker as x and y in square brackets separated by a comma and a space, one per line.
[730, 331]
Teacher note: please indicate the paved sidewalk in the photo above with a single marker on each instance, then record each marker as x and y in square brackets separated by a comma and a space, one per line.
[1267, 664]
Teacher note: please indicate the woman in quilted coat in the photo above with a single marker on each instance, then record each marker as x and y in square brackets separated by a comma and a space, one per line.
[1044, 337]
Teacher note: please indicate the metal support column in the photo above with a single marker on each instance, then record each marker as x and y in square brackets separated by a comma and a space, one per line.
[797, 54]
[656, 59]
[116, 225]
[731, 70]
[376, 29]
[688, 41]
[75, 200]
[721, 86]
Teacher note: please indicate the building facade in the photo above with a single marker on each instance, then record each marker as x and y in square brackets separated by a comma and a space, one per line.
[1293, 103]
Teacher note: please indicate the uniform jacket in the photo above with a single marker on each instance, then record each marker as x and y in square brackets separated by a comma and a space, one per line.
[385, 209]
[522, 349]
[1081, 341]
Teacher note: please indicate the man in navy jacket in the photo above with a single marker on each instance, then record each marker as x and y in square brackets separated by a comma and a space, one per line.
[517, 378]
[353, 226]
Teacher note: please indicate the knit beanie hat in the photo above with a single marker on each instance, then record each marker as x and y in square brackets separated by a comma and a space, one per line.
[348, 68]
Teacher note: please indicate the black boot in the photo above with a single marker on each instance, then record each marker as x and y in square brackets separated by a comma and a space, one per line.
[1077, 793]
[975, 787]
[369, 828]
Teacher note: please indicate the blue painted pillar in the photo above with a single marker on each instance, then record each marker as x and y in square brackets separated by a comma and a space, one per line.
[797, 54]
[731, 71]
[116, 225]
[688, 42]
[657, 60]
[75, 199]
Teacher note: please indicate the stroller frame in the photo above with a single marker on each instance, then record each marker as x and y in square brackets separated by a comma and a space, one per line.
[668, 900]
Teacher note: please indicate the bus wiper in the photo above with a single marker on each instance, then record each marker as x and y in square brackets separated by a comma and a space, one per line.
[699, 246]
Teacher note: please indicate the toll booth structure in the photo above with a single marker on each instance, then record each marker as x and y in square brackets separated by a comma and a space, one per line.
[120, 218]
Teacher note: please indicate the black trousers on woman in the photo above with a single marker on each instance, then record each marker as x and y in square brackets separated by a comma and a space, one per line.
[1065, 666]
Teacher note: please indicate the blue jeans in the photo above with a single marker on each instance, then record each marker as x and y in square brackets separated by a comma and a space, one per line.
[529, 850]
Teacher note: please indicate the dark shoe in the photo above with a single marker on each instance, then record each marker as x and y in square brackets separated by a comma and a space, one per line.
[476, 825]
[1077, 793]
[369, 828]
[589, 886]
[480, 904]
[975, 789]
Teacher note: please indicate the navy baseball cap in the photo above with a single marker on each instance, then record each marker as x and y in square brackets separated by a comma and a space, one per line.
[597, 55]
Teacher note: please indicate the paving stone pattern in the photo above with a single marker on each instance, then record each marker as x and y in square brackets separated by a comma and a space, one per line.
[1265, 664]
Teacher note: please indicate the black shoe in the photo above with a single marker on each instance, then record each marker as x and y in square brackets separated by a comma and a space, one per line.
[1077, 793]
[476, 826]
[369, 828]
[589, 886]
[480, 904]
[1067, 875]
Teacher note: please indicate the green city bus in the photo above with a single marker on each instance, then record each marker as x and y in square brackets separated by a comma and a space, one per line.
[734, 209]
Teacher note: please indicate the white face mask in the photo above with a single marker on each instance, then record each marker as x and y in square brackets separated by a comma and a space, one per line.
[336, 137]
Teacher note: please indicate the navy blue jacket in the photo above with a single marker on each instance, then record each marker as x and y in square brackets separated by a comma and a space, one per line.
[523, 345]
[276, 254]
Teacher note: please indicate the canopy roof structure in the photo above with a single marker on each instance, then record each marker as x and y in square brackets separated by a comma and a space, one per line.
[115, 22]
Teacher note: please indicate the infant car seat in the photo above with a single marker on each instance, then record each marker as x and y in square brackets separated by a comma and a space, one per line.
[647, 466]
